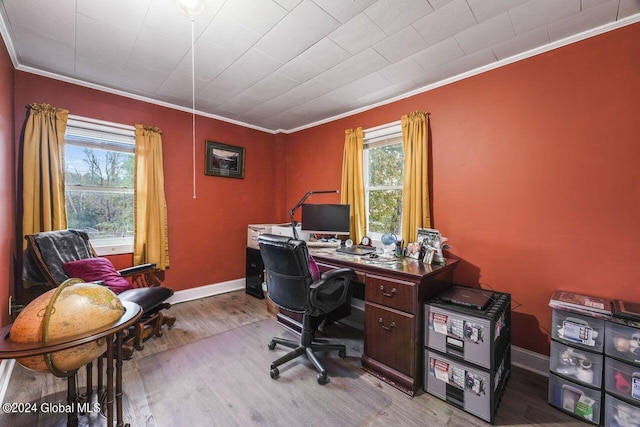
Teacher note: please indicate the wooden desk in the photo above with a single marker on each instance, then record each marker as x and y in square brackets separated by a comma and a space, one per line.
[113, 335]
[395, 293]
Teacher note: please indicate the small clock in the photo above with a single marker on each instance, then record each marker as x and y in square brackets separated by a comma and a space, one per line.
[366, 241]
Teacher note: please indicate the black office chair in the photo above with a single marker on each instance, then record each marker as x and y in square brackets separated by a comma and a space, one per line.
[291, 287]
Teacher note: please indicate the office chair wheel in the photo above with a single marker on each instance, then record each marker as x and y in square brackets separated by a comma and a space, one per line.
[272, 345]
[322, 378]
[342, 354]
[275, 373]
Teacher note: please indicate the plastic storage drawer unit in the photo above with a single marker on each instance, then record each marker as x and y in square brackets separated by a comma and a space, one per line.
[475, 336]
[576, 364]
[468, 387]
[622, 380]
[623, 342]
[578, 330]
[579, 401]
[618, 413]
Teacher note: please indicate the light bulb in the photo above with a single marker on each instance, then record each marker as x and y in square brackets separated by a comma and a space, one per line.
[190, 8]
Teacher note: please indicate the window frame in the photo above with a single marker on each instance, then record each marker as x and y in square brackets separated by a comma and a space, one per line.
[123, 137]
[378, 137]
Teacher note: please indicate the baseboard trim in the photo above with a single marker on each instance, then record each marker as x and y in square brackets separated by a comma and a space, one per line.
[207, 291]
[530, 360]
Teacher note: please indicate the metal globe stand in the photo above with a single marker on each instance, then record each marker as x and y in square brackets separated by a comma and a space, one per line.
[112, 334]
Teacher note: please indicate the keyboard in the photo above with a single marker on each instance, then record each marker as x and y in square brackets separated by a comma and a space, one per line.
[323, 244]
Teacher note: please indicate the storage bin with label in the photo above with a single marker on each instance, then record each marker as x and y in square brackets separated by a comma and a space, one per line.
[622, 379]
[577, 400]
[578, 330]
[476, 336]
[475, 390]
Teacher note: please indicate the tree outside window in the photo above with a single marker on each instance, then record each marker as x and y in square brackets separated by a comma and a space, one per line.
[384, 161]
[99, 176]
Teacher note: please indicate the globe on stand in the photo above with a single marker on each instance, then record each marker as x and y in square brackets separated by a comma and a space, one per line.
[389, 241]
[70, 310]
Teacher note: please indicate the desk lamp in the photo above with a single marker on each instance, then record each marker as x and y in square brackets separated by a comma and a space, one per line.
[300, 203]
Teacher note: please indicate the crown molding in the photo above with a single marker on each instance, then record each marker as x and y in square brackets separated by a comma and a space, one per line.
[632, 19]
[125, 94]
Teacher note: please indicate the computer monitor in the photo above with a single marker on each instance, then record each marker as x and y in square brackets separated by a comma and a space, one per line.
[326, 219]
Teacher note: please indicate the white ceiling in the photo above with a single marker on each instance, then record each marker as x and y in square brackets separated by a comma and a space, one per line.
[282, 65]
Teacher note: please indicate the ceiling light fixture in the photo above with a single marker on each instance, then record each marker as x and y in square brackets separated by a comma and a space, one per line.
[191, 9]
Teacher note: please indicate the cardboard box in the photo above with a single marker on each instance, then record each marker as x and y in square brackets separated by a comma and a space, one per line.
[286, 230]
[254, 231]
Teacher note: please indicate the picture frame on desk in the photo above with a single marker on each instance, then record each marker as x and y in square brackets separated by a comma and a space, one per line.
[414, 250]
[429, 238]
[224, 160]
[429, 254]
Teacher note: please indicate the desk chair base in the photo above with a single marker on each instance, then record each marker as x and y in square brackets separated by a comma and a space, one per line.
[306, 346]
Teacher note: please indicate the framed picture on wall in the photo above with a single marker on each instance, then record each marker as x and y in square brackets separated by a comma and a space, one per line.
[224, 160]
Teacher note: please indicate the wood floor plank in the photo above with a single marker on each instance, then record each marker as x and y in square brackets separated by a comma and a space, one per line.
[524, 403]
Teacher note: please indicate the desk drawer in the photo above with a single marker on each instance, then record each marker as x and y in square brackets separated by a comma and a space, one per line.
[390, 338]
[391, 293]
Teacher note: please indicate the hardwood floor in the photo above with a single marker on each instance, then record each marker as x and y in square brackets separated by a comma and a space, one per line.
[524, 402]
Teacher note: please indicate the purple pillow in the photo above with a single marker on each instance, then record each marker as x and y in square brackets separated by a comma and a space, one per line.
[313, 268]
[97, 269]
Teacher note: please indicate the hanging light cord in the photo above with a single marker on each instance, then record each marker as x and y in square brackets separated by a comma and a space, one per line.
[193, 105]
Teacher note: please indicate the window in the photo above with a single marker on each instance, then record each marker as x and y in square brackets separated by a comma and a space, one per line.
[383, 177]
[99, 177]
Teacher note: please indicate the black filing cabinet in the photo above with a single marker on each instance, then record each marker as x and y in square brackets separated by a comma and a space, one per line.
[254, 273]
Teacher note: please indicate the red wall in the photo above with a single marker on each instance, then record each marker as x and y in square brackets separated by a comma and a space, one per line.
[207, 235]
[535, 174]
[7, 183]
[536, 177]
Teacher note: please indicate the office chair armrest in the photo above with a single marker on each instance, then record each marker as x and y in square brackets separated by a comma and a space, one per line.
[341, 278]
[339, 272]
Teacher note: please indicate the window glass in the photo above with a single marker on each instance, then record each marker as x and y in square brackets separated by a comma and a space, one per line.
[99, 175]
[383, 170]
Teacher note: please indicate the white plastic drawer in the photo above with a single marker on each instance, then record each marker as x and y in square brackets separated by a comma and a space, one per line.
[618, 413]
[582, 402]
[622, 342]
[622, 379]
[579, 330]
[576, 364]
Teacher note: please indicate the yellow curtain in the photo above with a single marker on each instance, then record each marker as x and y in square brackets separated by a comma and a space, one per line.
[415, 191]
[352, 187]
[151, 243]
[43, 206]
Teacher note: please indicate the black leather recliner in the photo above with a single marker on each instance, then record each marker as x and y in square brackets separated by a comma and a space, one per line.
[45, 257]
[291, 287]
